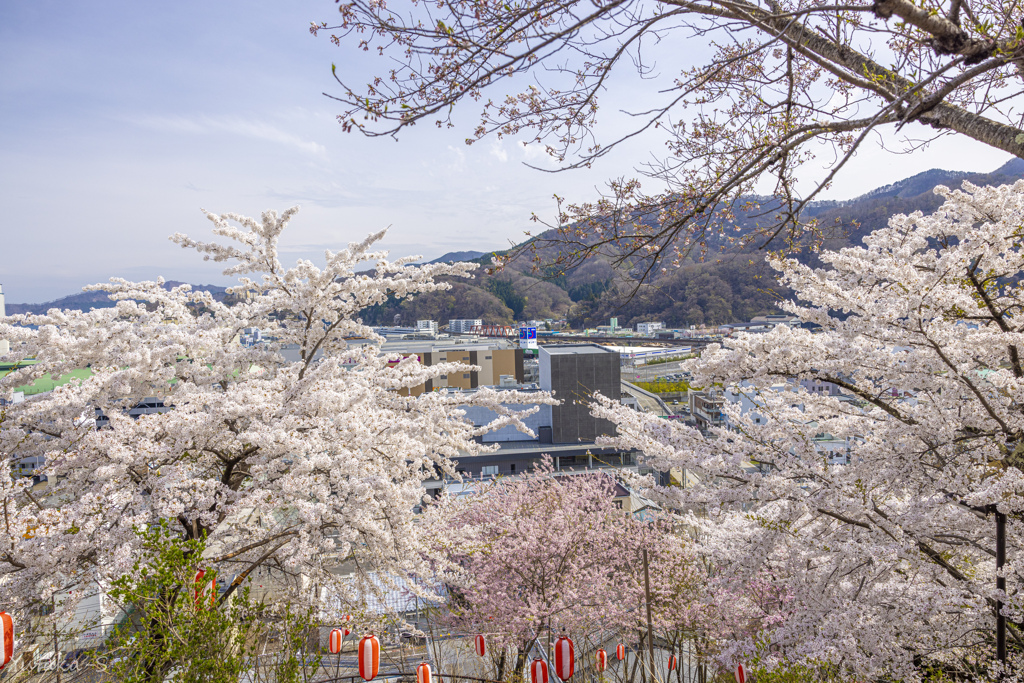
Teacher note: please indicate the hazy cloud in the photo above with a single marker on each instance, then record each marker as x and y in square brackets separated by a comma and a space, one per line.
[205, 125]
[498, 150]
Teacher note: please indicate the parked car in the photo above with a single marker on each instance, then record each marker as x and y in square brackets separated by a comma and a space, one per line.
[72, 660]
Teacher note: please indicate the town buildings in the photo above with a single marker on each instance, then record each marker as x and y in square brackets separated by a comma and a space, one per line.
[567, 432]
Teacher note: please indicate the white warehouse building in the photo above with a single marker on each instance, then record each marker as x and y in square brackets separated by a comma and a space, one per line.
[649, 329]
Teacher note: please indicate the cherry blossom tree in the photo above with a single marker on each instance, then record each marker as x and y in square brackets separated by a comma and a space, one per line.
[744, 93]
[531, 558]
[290, 465]
[885, 553]
[534, 557]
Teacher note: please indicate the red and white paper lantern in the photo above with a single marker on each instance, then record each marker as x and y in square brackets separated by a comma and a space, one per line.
[741, 674]
[334, 643]
[481, 646]
[539, 671]
[6, 638]
[602, 659]
[346, 630]
[202, 587]
[369, 657]
[565, 658]
[423, 673]
[672, 663]
[620, 652]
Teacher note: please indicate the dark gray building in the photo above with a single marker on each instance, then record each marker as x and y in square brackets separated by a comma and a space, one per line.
[573, 373]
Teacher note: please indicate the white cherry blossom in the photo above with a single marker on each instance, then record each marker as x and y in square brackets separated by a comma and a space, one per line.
[290, 465]
[890, 558]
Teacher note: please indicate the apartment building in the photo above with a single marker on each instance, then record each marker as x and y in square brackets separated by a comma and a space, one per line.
[426, 327]
[706, 407]
[464, 326]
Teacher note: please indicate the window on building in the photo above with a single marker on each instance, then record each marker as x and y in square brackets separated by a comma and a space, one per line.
[489, 470]
[465, 376]
[512, 468]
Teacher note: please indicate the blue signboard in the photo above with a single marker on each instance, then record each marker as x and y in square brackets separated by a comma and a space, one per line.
[528, 337]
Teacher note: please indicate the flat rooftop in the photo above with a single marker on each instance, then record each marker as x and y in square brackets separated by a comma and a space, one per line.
[568, 349]
[437, 345]
[644, 349]
[510, 450]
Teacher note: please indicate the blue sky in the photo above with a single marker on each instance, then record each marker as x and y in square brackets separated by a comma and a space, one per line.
[119, 120]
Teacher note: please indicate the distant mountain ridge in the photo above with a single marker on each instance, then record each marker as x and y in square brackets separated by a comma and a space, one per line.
[456, 256]
[726, 287]
[926, 181]
[85, 301]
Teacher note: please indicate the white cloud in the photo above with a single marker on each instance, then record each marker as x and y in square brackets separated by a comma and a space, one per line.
[459, 163]
[203, 125]
[536, 154]
[498, 150]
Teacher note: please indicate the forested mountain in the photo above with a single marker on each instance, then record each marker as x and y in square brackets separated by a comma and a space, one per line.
[858, 217]
[724, 287]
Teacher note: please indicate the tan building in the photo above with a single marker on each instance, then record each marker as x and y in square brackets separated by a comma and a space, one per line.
[496, 360]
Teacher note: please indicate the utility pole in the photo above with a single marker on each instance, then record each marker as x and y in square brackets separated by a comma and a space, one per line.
[1000, 586]
[1000, 579]
[56, 652]
[650, 627]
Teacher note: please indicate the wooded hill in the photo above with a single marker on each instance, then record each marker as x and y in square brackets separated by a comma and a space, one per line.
[725, 286]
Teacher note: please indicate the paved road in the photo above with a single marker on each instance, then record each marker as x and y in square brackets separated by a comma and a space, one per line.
[647, 404]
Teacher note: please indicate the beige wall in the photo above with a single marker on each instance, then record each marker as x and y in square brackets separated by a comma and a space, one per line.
[493, 364]
[504, 363]
[458, 380]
